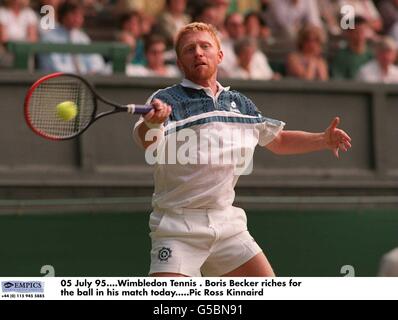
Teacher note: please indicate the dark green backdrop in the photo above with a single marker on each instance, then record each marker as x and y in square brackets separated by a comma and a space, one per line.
[298, 243]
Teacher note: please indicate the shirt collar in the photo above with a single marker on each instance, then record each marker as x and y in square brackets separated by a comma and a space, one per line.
[189, 84]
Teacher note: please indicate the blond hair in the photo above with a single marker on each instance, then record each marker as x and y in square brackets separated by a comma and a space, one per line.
[306, 32]
[196, 27]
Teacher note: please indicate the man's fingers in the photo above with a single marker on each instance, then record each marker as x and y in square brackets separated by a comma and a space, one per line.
[159, 113]
[163, 112]
[344, 135]
[347, 143]
[343, 147]
[336, 152]
[335, 122]
[149, 115]
[338, 139]
[156, 103]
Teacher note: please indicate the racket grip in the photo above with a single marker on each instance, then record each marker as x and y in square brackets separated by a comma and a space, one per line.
[139, 108]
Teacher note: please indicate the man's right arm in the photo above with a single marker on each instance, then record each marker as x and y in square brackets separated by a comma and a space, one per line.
[153, 119]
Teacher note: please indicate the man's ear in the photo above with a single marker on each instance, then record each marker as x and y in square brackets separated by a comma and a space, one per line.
[220, 56]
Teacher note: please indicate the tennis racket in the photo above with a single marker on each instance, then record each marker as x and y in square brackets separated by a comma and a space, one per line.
[48, 92]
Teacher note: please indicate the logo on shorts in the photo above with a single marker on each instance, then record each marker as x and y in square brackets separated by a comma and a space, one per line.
[164, 254]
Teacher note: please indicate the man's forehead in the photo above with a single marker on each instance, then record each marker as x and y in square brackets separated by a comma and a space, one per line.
[197, 36]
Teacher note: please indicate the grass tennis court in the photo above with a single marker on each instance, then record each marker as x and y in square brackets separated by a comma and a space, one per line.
[297, 242]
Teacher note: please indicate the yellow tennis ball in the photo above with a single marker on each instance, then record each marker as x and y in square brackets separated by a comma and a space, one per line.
[67, 110]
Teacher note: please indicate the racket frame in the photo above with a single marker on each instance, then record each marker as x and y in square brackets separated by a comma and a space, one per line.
[131, 108]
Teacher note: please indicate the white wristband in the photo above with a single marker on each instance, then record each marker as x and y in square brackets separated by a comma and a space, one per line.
[152, 125]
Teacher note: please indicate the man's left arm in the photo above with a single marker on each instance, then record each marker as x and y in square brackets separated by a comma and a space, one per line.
[298, 142]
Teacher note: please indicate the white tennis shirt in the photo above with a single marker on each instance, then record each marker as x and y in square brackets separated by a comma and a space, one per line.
[208, 142]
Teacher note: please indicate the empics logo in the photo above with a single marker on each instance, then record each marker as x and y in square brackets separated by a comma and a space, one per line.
[8, 285]
[22, 286]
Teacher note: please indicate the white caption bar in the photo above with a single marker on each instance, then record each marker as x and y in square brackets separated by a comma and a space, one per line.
[145, 288]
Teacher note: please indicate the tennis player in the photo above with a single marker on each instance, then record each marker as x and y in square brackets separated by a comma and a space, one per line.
[195, 229]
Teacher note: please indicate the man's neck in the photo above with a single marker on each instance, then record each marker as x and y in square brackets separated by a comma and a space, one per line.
[209, 83]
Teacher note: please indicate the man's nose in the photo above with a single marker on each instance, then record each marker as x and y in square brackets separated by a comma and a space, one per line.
[198, 51]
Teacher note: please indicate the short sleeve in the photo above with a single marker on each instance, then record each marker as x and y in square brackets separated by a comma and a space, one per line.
[269, 130]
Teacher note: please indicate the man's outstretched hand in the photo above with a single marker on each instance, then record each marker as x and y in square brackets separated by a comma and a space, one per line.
[336, 139]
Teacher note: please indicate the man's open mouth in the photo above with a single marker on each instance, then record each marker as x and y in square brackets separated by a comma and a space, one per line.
[200, 64]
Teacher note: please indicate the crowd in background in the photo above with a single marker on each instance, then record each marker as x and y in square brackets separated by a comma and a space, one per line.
[261, 39]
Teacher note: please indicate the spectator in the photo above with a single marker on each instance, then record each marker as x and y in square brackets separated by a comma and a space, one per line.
[94, 7]
[147, 24]
[367, 10]
[394, 31]
[381, 69]
[307, 63]
[173, 19]
[249, 5]
[235, 32]
[256, 27]
[71, 19]
[131, 34]
[207, 13]
[245, 50]
[348, 60]
[145, 7]
[212, 12]
[155, 47]
[330, 11]
[287, 17]
[389, 12]
[18, 22]
[222, 9]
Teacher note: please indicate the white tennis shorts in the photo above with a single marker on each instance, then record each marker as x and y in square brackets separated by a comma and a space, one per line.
[196, 242]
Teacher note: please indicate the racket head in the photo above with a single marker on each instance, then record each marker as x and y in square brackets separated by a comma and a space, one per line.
[46, 93]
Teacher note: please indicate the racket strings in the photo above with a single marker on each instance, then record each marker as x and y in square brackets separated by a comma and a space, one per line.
[42, 110]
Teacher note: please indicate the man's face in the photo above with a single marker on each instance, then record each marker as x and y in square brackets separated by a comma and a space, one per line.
[155, 55]
[235, 27]
[198, 56]
[386, 57]
[178, 5]
[74, 19]
[358, 35]
[133, 26]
